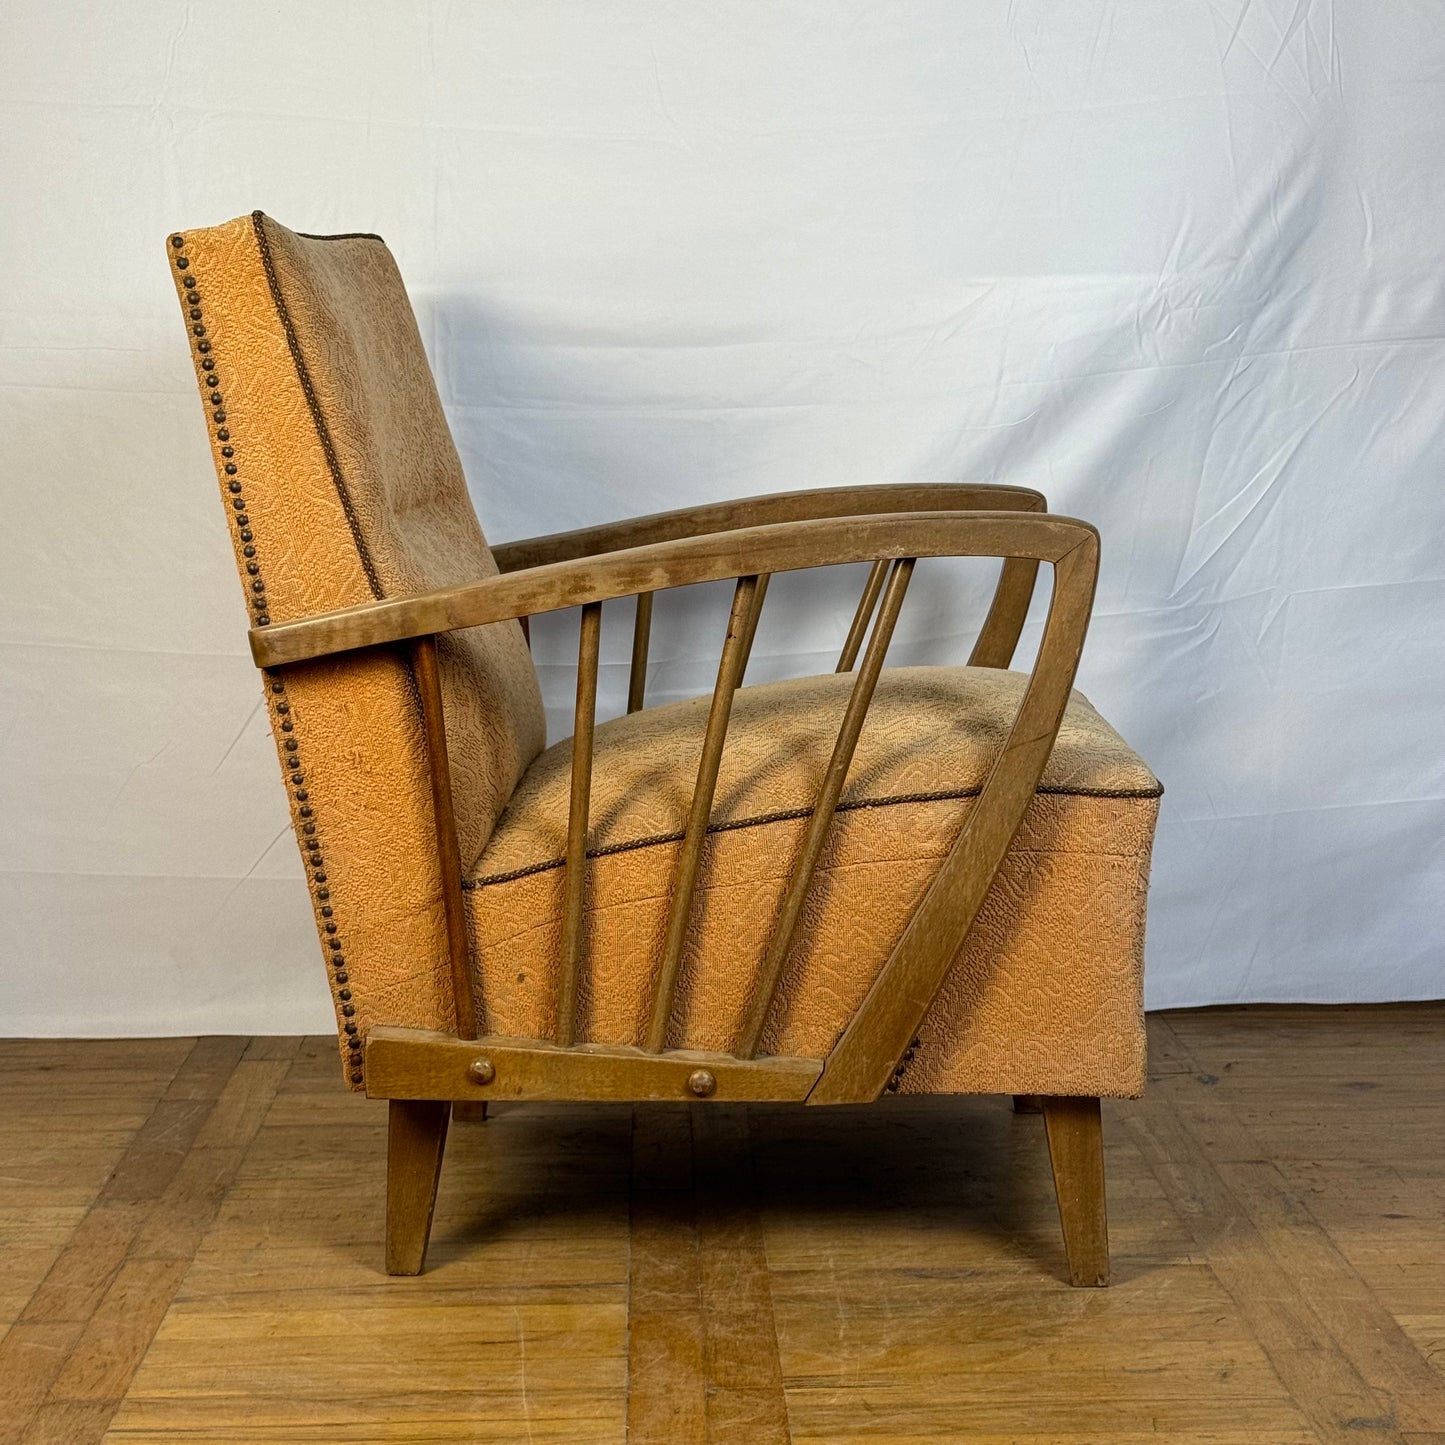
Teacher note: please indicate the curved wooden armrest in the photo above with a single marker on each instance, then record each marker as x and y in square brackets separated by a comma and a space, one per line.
[763, 510]
[747, 551]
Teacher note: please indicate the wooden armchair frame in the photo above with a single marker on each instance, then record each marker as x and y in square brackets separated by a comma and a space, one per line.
[422, 1073]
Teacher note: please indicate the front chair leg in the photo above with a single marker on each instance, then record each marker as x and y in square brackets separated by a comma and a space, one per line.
[1076, 1152]
[416, 1140]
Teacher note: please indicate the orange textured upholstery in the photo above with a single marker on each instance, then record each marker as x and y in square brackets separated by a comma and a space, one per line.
[1046, 994]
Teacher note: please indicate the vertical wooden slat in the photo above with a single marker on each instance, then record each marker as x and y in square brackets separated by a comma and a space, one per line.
[752, 632]
[861, 617]
[999, 635]
[576, 872]
[823, 810]
[428, 683]
[641, 637]
[730, 668]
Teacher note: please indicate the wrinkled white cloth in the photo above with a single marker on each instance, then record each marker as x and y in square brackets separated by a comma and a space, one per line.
[1177, 264]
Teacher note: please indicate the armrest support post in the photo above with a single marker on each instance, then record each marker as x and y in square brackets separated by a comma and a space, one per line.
[999, 636]
[862, 1062]
[428, 683]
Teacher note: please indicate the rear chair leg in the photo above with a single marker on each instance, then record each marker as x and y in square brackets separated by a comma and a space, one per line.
[1076, 1152]
[1028, 1104]
[469, 1111]
[416, 1140]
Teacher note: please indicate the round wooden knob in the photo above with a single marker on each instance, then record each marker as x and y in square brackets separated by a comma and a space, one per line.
[481, 1071]
[701, 1082]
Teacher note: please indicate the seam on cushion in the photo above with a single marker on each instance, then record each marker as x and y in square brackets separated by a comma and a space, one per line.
[341, 236]
[789, 815]
[258, 222]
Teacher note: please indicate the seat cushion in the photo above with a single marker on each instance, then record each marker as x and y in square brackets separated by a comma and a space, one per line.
[1045, 996]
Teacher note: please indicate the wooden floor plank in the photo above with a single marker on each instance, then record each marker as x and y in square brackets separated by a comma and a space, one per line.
[204, 1259]
[1360, 1325]
[111, 1286]
[286, 1329]
[666, 1379]
[745, 1400]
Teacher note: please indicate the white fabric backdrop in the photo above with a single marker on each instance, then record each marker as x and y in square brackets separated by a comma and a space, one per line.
[1177, 263]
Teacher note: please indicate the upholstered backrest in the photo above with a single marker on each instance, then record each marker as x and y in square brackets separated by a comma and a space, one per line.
[342, 485]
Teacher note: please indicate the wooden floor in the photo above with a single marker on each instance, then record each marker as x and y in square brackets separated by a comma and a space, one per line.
[190, 1249]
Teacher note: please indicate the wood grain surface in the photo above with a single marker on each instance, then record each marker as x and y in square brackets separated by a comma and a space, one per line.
[749, 551]
[190, 1237]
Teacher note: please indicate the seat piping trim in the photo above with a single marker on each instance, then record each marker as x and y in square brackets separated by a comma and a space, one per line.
[785, 815]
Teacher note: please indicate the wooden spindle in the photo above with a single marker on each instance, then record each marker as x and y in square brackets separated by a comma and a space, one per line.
[999, 635]
[641, 637]
[754, 615]
[428, 684]
[866, 603]
[575, 885]
[741, 621]
[823, 809]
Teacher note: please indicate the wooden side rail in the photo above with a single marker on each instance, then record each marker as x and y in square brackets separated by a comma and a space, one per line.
[858, 630]
[742, 623]
[641, 637]
[575, 877]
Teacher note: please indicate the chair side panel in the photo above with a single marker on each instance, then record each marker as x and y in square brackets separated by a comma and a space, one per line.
[348, 732]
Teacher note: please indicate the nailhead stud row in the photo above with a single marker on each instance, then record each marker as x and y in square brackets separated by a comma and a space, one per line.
[305, 822]
[897, 1076]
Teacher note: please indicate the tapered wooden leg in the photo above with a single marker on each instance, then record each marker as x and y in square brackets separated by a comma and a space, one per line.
[416, 1140]
[469, 1111]
[1076, 1152]
[1028, 1104]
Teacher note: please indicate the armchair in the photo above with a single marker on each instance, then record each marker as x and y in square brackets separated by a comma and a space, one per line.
[822, 890]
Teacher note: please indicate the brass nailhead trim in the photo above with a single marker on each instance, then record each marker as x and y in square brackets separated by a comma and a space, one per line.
[277, 691]
[909, 1054]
